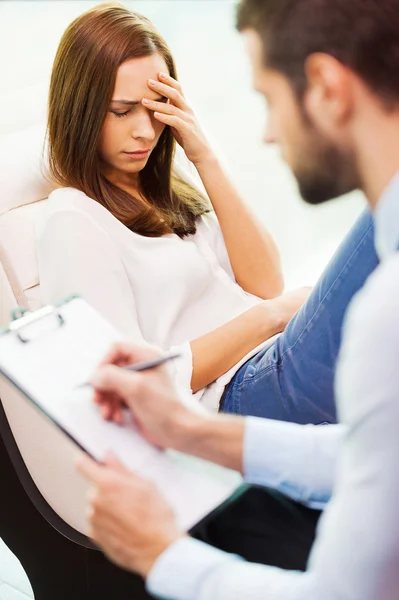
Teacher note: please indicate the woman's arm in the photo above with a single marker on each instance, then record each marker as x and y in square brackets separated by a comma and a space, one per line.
[253, 254]
[217, 352]
[252, 251]
[76, 255]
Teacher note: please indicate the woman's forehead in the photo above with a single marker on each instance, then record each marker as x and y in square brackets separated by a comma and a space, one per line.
[132, 77]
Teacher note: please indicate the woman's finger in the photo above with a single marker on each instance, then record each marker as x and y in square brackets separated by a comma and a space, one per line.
[171, 120]
[168, 79]
[162, 107]
[169, 92]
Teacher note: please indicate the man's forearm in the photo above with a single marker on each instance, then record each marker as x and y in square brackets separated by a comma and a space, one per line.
[219, 439]
[298, 460]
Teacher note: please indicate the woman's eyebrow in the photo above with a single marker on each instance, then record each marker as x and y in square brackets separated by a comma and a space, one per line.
[135, 102]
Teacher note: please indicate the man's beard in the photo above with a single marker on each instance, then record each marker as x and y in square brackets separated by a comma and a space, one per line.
[328, 171]
[322, 187]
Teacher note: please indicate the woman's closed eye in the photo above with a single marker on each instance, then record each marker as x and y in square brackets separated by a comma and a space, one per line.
[120, 115]
[126, 112]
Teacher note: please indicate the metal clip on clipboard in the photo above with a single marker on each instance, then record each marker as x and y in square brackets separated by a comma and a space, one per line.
[47, 317]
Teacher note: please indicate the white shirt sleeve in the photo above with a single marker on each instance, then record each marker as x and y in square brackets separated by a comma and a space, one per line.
[209, 231]
[299, 461]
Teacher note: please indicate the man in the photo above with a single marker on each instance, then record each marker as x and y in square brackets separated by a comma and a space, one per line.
[329, 71]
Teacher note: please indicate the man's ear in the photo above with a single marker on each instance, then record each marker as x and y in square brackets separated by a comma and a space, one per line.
[329, 96]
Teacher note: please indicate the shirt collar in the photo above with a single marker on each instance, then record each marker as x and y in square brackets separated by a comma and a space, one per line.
[386, 217]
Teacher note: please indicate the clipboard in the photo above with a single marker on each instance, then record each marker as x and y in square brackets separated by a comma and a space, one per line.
[48, 353]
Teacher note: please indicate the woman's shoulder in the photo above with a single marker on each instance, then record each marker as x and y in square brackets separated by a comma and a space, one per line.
[79, 207]
[68, 199]
[69, 209]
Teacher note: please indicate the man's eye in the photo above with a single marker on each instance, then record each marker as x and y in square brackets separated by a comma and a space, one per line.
[120, 115]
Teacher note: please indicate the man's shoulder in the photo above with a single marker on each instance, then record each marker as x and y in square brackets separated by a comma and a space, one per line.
[383, 283]
[368, 371]
[374, 312]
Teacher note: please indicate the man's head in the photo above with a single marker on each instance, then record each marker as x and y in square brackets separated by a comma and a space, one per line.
[319, 63]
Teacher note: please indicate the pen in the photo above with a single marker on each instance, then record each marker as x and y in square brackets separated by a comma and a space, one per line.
[144, 365]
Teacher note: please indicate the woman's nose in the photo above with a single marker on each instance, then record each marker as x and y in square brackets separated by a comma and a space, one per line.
[144, 126]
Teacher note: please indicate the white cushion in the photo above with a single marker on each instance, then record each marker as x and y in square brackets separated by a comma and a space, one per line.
[23, 172]
[18, 253]
[23, 107]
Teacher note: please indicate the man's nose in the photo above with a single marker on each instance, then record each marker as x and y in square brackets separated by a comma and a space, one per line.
[269, 139]
[269, 136]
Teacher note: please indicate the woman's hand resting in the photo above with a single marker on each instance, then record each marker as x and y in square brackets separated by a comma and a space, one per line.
[284, 307]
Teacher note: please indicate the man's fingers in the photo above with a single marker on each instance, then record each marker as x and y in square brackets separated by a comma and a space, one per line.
[106, 410]
[124, 353]
[118, 353]
[114, 380]
[89, 468]
[114, 463]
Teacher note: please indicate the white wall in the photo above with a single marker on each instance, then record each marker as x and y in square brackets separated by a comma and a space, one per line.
[214, 71]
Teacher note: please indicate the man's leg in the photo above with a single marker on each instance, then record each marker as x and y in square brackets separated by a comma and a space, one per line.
[293, 379]
[265, 527]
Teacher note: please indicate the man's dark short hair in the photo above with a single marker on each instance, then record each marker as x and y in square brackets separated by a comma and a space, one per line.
[361, 34]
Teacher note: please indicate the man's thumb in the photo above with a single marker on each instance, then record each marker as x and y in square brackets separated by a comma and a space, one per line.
[112, 379]
[112, 461]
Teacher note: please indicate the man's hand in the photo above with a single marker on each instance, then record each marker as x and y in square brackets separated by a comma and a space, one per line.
[150, 395]
[163, 419]
[128, 518]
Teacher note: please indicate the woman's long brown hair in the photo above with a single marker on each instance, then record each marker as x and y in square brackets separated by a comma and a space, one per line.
[82, 83]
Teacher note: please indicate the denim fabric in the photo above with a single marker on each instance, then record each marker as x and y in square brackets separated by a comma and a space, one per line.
[293, 378]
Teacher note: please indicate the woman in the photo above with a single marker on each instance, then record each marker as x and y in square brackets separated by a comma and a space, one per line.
[140, 245]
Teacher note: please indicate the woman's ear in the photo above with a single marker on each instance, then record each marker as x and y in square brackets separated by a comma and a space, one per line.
[329, 95]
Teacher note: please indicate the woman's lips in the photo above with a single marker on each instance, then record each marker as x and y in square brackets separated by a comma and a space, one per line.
[139, 154]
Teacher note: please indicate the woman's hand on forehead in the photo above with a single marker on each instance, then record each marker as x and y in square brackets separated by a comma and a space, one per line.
[179, 116]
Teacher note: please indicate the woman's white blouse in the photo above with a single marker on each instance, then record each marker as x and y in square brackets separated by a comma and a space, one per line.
[165, 291]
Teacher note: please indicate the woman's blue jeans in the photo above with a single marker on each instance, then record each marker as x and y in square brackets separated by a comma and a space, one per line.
[293, 378]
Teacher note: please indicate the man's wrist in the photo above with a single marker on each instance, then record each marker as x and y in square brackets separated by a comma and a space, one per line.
[188, 424]
[150, 557]
[217, 438]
